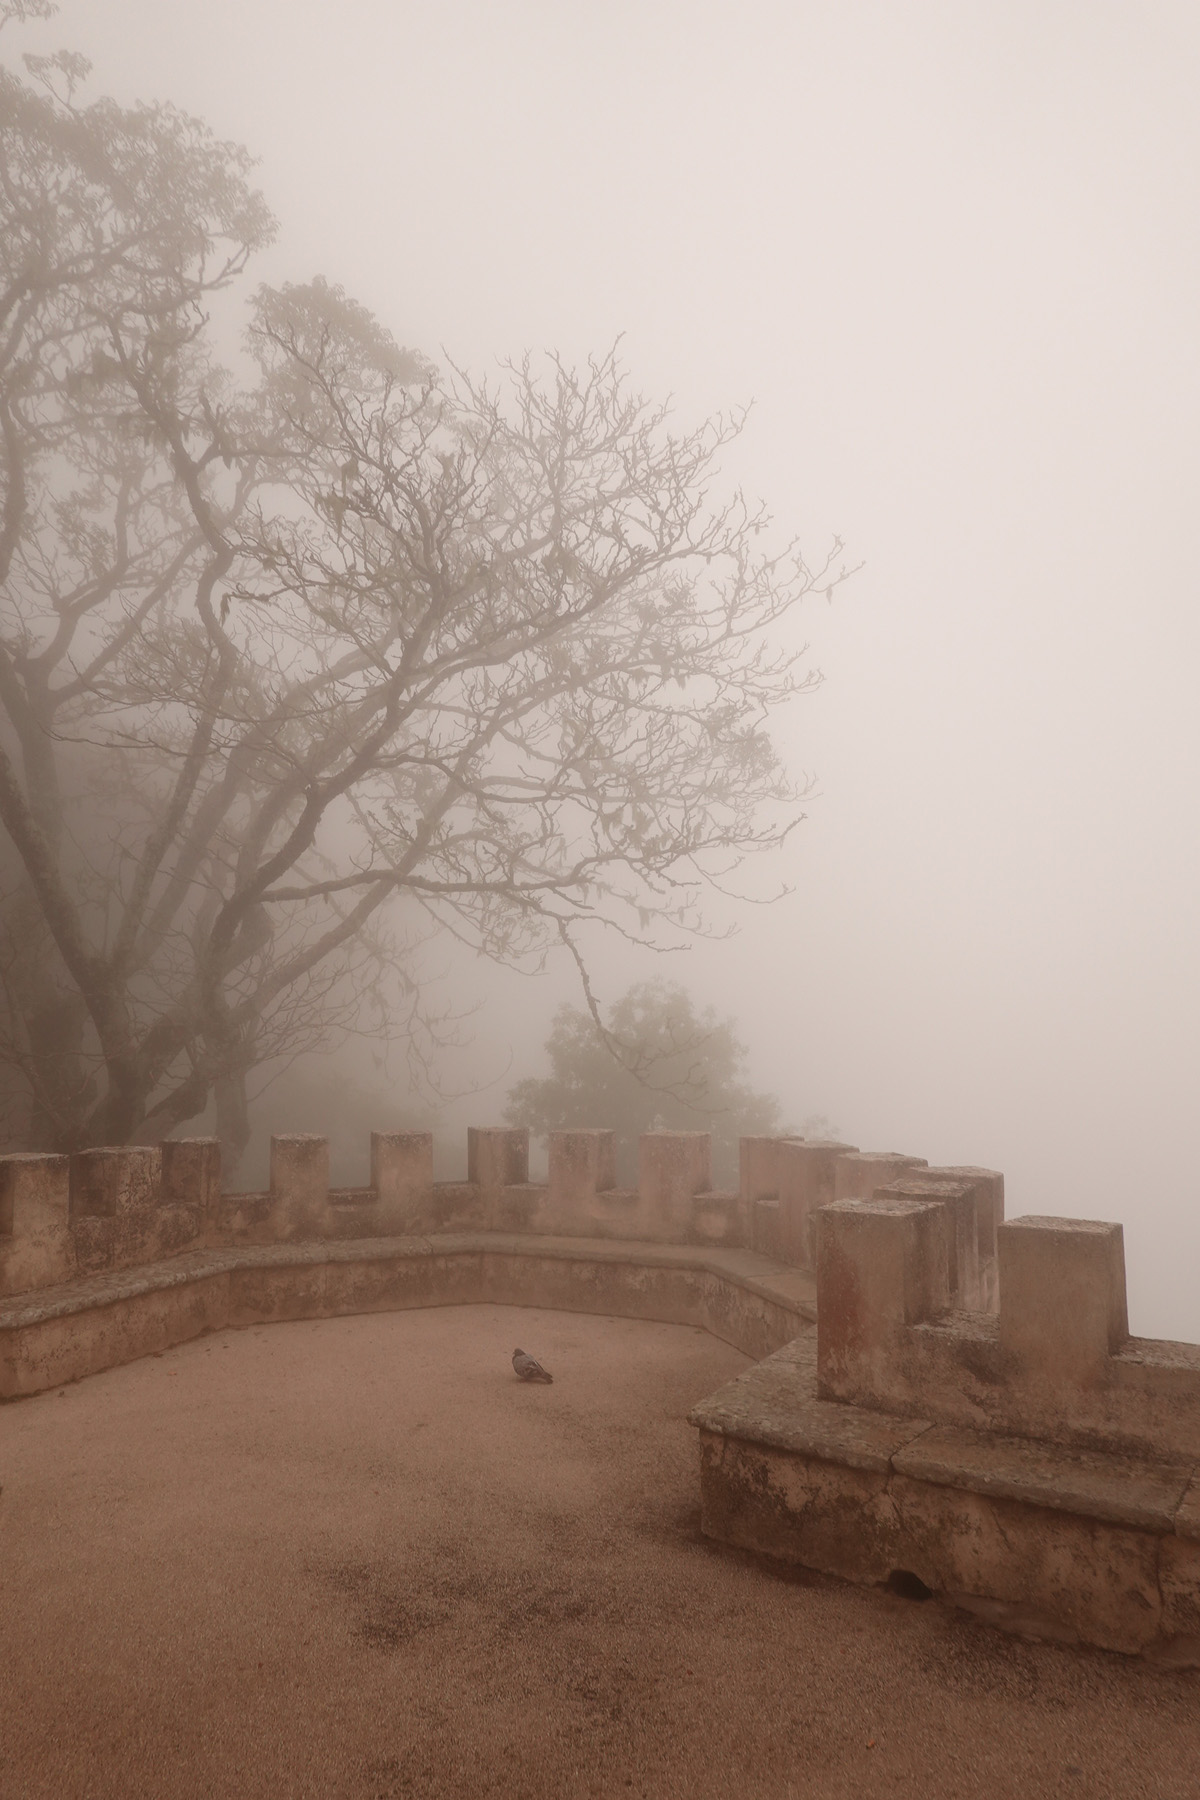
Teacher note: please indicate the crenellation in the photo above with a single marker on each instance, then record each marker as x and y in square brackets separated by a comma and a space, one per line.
[988, 1188]
[190, 1174]
[717, 1218]
[497, 1156]
[401, 1175]
[299, 1186]
[1062, 1285]
[673, 1167]
[959, 1202]
[36, 1246]
[857, 1174]
[807, 1173]
[971, 1406]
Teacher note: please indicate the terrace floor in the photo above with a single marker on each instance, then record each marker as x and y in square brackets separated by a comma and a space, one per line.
[356, 1558]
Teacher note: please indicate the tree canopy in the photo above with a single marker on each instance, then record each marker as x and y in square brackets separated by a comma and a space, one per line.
[315, 650]
[655, 1064]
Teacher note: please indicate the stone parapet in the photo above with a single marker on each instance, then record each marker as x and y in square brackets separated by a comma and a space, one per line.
[1102, 1548]
[96, 1322]
[1057, 1363]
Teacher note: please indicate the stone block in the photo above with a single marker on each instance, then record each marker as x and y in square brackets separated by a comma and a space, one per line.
[1062, 1298]
[497, 1156]
[988, 1186]
[758, 1165]
[881, 1266]
[191, 1176]
[582, 1165]
[857, 1174]
[401, 1175]
[815, 1513]
[807, 1174]
[962, 1250]
[299, 1186]
[115, 1182]
[117, 1218]
[716, 1219]
[766, 1235]
[463, 1206]
[673, 1166]
[35, 1235]
[1179, 1584]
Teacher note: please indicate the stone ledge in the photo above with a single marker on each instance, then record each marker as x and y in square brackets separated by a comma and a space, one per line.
[776, 1404]
[1103, 1547]
[792, 1288]
[1118, 1489]
[52, 1335]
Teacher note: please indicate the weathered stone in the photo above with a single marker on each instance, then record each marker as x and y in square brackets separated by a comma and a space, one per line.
[1062, 1286]
[1179, 1585]
[881, 1266]
[299, 1186]
[960, 1200]
[673, 1166]
[80, 1327]
[776, 1403]
[582, 1164]
[1187, 1517]
[1097, 1579]
[497, 1156]
[716, 1219]
[401, 1174]
[989, 1216]
[857, 1174]
[766, 1227]
[758, 1166]
[807, 1177]
[36, 1249]
[191, 1176]
[1118, 1489]
[802, 1510]
[460, 1206]
[118, 1214]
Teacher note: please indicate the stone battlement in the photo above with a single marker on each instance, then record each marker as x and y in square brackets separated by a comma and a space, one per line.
[62, 1216]
[1033, 1458]
[940, 1394]
[1056, 1362]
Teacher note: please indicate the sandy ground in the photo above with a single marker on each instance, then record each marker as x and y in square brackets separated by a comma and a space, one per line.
[359, 1558]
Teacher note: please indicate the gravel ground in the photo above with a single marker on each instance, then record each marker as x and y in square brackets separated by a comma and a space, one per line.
[358, 1558]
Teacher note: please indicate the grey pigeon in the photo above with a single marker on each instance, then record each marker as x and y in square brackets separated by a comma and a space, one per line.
[528, 1369]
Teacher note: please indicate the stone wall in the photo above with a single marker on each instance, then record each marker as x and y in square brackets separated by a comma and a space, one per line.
[898, 1332]
[62, 1217]
[1034, 1461]
[116, 1208]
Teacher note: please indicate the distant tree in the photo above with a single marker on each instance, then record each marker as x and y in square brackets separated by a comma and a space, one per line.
[302, 665]
[655, 1064]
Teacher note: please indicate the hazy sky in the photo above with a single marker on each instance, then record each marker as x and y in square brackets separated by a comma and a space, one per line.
[952, 252]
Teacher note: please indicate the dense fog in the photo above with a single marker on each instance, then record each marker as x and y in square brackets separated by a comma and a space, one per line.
[953, 257]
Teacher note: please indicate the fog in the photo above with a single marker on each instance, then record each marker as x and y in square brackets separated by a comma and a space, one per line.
[951, 252]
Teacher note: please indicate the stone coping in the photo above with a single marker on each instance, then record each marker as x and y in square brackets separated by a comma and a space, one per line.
[776, 1404]
[794, 1289]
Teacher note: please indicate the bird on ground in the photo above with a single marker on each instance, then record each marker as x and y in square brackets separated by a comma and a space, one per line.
[528, 1369]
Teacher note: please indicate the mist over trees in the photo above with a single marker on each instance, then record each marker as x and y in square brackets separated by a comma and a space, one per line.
[654, 1064]
[312, 651]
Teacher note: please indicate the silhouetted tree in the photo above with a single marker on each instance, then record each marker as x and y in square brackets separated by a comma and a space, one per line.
[301, 665]
[654, 1064]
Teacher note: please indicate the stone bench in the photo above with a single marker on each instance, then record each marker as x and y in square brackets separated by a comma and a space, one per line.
[58, 1334]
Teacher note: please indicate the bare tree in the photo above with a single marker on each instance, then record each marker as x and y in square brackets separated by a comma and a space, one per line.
[300, 665]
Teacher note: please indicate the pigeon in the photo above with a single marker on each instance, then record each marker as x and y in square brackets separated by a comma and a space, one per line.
[528, 1369]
